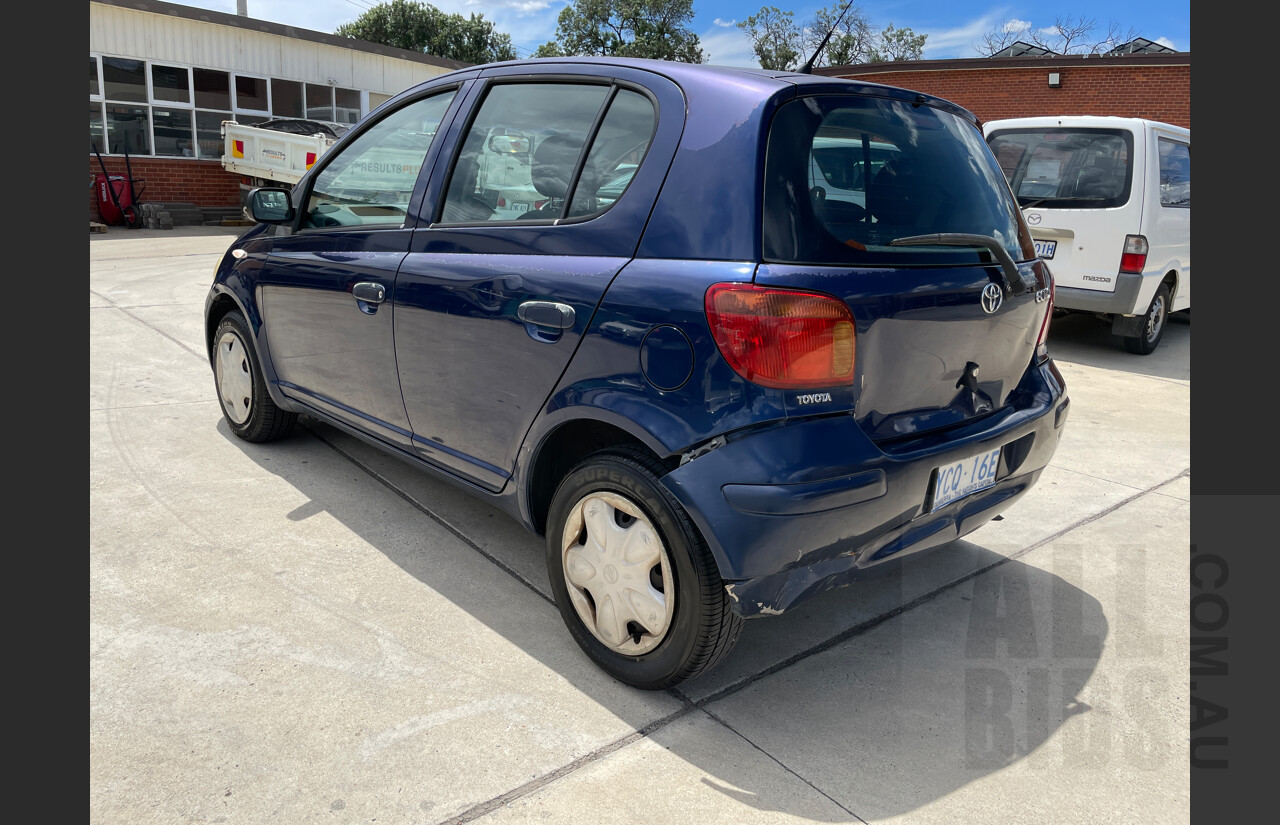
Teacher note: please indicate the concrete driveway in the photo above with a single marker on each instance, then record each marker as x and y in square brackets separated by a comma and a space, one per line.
[311, 631]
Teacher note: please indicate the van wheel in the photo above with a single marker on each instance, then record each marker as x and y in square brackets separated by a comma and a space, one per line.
[1153, 324]
[633, 578]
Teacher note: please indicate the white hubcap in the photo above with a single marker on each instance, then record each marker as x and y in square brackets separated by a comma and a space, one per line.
[235, 380]
[618, 573]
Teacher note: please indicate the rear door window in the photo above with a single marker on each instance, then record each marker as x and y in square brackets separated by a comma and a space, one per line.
[1066, 168]
[525, 156]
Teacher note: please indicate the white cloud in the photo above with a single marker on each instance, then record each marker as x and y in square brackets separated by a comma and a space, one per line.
[728, 47]
[725, 23]
[960, 41]
[1016, 25]
[1164, 41]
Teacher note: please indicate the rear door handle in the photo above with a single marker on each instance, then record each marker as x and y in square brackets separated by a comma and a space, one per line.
[368, 295]
[546, 314]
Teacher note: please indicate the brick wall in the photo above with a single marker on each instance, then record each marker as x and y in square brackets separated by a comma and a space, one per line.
[178, 180]
[1154, 92]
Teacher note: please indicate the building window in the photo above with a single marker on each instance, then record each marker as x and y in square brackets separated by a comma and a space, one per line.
[95, 127]
[251, 93]
[124, 80]
[347, 105]
[170, 84]
[319, 102]
[286, 98]
[213, 89]
[209, 133]
[174, 135]
[177, 111]
[128, 129]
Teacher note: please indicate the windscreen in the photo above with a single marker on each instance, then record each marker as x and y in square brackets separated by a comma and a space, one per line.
[1066, 168]
[846, 175]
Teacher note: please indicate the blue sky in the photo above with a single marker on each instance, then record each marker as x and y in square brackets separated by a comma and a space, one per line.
[954, 28]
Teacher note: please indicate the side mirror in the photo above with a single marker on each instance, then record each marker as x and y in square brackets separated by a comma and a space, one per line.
[270, 205]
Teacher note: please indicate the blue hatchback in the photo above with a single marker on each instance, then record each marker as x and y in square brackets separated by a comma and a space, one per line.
[613, 298]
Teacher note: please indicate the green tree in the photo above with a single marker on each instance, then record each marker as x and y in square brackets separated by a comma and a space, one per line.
[851, 41]
[774, 37]
[421, 27]
[657, 29]
[897, 44]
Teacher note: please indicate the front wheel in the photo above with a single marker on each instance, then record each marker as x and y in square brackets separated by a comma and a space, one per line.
[242, 390]
[1153, 324]
[634, 581]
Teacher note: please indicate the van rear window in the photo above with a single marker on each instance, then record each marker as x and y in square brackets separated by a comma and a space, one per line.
[1066, 168]
[846, 175]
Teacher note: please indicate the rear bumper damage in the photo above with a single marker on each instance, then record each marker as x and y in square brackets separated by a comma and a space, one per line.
[813, 502]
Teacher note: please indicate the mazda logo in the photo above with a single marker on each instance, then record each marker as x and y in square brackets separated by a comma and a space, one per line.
[1033, 218]
[992, 298]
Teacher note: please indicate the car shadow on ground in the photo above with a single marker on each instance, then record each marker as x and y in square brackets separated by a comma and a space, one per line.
[884, 712]
[1083, 338]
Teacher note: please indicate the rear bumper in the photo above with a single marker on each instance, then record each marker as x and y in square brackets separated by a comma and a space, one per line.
[802, 507]
[1124, 301]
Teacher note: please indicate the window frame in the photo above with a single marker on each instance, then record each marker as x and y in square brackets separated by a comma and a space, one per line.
[302, 194]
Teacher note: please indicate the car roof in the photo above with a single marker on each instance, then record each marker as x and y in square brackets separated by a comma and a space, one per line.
[760, 82]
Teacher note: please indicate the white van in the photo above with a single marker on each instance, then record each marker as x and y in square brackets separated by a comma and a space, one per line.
[1108, 202]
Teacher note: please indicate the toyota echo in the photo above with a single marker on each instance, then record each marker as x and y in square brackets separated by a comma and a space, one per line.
[742, 335]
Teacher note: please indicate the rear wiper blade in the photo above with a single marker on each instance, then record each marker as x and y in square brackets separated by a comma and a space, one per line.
[1013, 282]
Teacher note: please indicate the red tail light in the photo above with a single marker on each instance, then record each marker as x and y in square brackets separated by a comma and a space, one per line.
[783, 338]
[1134, 257]
[502, 201]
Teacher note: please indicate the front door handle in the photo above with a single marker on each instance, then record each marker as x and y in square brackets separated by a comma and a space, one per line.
[368, 292]
[368, 295]
[546, 314]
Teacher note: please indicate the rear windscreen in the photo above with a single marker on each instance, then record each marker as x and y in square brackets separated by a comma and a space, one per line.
[1066, 168]
[847, 175]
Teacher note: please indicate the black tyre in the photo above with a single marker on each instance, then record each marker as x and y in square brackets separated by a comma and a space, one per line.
[1153, 324]
[237, 374]
[132, 217]
[634, 581]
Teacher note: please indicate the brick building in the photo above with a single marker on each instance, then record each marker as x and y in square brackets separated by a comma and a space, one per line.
[163, 77]
[1152, 86]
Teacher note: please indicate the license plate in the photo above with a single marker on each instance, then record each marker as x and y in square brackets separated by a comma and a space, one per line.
[519, 206]
[1045, 249]
[955, 481]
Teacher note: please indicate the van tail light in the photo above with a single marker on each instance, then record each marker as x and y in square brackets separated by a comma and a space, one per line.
[1134, 258]
[502, 201]
[1042, 343]
[783, 338]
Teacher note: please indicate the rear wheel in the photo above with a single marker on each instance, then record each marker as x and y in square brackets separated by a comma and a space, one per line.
[634, 581]
[242, 391]
[1153, 324]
